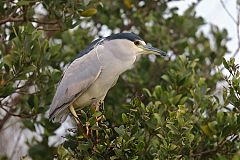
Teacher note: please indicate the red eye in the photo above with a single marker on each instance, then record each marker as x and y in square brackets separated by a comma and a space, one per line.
[136, 43]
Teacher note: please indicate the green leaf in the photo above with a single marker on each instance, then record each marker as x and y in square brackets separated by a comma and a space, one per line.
[113, 157]
[8, 60]
[212, 126]
[120, 130]
[24, 3]
[147, 91]
[166, 78]
[89, 12]
[225, 64]
[190, 137]
[206, 130]
[6, 91]
[176, 99]
[172, 128]
[157, 91]
[95, 127]
[84, 146]
[97, 114]
[127, 3]
[29, 124]
[124, 118]
[28, 69]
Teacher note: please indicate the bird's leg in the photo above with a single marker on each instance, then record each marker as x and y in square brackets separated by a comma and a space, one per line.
[72, 110]
[101, 104]
[96, 110]
[76, 118]
[98, 118]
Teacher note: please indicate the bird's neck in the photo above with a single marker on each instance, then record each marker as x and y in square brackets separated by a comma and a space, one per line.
[124, 56]
[122, 50]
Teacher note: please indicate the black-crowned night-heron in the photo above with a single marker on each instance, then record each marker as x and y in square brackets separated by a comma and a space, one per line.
[89, 77]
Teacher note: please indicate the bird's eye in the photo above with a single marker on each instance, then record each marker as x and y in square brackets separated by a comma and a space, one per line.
[136, 43]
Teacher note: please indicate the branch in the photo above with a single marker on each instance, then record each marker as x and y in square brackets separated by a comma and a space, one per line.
[237, 22]
[238, 32]
[218, 147]
[49, 29]
[43, 22]
[14, 150]
[227, 11]
[16, 115]
[13, 102]
[4, 120]
[11, 19]
[23, 18]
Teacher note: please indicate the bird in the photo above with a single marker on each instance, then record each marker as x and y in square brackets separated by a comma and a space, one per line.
[95, 71]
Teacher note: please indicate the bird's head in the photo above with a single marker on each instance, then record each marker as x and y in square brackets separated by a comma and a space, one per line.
[132, 42]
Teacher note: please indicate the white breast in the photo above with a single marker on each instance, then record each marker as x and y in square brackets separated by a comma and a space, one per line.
[113, 64]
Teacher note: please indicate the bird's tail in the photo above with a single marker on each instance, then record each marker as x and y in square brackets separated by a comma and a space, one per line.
[60, 116]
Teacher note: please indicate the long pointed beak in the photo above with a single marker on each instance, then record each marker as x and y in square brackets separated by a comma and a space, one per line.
[151, 50]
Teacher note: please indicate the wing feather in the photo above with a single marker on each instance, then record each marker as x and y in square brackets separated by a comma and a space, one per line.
[78, 77]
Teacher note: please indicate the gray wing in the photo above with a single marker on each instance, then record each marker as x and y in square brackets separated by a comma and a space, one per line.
[78, 77]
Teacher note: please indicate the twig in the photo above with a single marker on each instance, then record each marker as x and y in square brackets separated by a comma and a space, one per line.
[227, 11]
[49, 29]
[220, 144]
[43, 22]
[238, 32]
[16, 144]
[236, 52]
[4, 120]
[10, 125]
[11, 19]
[237, 22]
[23, 18]
[16, 115]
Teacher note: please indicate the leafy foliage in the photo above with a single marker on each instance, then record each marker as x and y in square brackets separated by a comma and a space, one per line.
[167, 109]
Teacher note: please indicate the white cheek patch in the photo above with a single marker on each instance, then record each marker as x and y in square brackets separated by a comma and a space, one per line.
[140, 47]
[143, 43]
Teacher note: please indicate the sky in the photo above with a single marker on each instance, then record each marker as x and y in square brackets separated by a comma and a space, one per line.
[213, 12]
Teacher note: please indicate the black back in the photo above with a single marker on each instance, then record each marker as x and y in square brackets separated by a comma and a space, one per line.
[128, 36]
[89, 47]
